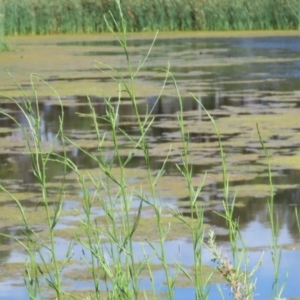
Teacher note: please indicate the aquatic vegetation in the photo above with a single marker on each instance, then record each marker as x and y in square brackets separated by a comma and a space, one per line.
[3, 45]
[121, 224]
[64, 16]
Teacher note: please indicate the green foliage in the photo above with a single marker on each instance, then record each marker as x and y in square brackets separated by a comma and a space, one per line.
[3, 45]
[1, 22]
[73, 16]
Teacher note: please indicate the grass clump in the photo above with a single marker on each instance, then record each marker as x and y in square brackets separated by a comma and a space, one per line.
[66, 16]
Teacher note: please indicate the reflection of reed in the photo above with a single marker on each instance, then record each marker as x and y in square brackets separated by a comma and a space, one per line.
[170, 105]
[255, 214]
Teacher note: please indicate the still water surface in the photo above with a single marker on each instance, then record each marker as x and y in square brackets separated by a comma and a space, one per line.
[242, 81]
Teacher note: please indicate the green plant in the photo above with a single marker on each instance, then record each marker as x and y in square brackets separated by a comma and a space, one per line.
[275, 249]
[73, 16]
[240, 281]
[3, 46]
[37, 248]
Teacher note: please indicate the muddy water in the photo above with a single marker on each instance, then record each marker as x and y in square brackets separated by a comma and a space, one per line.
[243, 80]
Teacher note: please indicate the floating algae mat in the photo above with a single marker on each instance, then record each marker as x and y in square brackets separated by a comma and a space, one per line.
[244, 83]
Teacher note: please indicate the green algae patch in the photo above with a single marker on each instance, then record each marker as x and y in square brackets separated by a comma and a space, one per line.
[8, 130]
[63, 102]
[11, 216]
[68, 72]
[12, 270]
[239, 175]
[83, 294]
[75, 294]
[69, 233]
[17, 269]
[8, 246]
[237, 158]
[176, 229]
[268, 123]
[207, 275]
[162, 149]
[5, 198]
[13, 145]
[88, 143]
[286, 162]
[113, 174]
[10, 144]
[231, 159]
[83, 273]
[258, 190]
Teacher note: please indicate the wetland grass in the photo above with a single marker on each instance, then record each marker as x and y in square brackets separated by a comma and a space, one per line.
[3, 45]
[76, 16]
[109, 251]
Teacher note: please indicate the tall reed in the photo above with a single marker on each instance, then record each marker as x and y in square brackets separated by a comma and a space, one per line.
[38, 248]
[1, 23]
[277, 289]
[3, 46]
[65, 16]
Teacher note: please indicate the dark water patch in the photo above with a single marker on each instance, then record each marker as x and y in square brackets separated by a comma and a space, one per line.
[74, 79]
[180, 42]
[272, 44]
[156, 163]
[170, 105]
[210, 138]
[241, 46]
[251, 210]
[106, 53]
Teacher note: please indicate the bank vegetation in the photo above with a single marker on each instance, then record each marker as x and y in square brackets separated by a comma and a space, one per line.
[86, 16]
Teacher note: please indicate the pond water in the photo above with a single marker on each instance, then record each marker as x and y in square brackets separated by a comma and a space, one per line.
[241, 79]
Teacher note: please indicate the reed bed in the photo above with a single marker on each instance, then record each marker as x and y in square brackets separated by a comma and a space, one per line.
[86, 16]
[1, 24]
